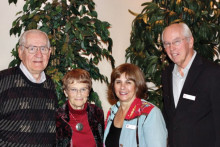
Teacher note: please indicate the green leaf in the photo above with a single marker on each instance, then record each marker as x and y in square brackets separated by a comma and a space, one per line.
[145, 49]
[12, 1]
[94, 14]
[75, 35]
[32, 25]
[25, 7]
[67, 27]
[18, 13]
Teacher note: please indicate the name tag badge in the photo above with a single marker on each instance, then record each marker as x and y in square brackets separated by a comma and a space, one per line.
[189, 97]
[133, 127]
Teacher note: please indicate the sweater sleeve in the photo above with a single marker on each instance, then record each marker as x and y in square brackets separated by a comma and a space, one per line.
[155, 131]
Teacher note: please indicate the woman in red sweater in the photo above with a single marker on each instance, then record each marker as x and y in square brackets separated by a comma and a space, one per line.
[79, 123]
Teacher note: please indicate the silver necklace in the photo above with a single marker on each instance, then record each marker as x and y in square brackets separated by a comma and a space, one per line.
[79, 125]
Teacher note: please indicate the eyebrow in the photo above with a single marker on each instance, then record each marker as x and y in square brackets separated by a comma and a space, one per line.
[173, 39]
[177, 38]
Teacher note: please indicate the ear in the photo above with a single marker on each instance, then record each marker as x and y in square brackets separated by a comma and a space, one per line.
[65, 93]
[191, 42]
[20, 52]
[50, 50]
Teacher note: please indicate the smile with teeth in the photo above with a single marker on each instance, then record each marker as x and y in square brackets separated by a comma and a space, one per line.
[174, 54]
[123, 93]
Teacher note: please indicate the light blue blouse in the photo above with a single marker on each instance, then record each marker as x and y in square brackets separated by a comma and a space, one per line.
[152, 130]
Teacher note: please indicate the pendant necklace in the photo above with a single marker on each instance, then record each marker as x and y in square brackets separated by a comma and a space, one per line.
[79, 125]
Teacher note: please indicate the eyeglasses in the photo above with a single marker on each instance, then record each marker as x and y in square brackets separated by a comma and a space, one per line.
[34, 49]
[174, 43]
[76, 91]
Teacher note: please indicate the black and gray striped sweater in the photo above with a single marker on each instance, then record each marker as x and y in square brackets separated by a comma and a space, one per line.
[27, 111]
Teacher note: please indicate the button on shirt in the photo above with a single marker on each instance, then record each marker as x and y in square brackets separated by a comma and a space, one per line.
[179, 80]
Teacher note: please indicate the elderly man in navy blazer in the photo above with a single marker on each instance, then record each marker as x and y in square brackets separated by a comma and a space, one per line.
[191, 92]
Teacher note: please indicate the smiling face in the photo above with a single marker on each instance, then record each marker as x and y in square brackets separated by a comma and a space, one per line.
[125, 89]
[35, 63]
[77, 94]
[182, 53]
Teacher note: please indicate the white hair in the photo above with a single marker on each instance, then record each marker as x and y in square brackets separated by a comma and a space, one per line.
[23, 38]
[185, 30]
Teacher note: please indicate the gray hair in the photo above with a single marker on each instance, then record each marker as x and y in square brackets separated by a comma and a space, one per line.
[185, 30]
[23, 38]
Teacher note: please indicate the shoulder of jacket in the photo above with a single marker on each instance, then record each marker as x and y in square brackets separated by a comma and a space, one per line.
[141, 107]
[62, 109]
[92, 109]
[146, 107]
[8, 71]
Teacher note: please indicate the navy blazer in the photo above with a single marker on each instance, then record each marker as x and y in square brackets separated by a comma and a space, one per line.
[194, 123]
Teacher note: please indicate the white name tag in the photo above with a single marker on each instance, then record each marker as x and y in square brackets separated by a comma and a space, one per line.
[190, 97]
[133, 127]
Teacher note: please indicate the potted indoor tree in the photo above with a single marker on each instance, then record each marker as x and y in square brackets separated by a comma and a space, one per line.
[146, 49]
[78, 38]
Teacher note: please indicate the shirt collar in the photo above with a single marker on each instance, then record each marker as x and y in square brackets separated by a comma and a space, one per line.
[137, 108]
[29, 75]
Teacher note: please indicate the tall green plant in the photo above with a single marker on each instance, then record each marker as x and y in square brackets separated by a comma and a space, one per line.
[78, 38]
[146, 49]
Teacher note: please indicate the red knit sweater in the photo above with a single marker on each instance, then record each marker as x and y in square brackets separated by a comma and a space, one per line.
[84, 137]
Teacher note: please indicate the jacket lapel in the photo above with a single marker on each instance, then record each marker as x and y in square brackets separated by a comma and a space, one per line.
[191, 78]
[170, 87]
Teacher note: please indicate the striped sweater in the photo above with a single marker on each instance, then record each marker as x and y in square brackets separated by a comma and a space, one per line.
[27, 111]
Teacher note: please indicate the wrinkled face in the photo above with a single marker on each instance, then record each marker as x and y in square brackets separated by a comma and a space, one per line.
[77, 94]
[125, 89]
[179, 48]
[35, 63]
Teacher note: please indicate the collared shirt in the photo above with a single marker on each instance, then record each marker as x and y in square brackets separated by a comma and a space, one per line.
[29, 75]
[179, 80]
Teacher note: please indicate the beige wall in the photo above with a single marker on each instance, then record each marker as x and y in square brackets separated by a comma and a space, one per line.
[113, 11]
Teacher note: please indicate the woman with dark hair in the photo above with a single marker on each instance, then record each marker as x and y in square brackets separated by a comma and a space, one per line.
[79, 123]
[132, 121]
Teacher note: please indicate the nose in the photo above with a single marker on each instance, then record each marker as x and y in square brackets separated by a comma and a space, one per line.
[39, 53]
[122, 86]
[172, 47]
[78, 92]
